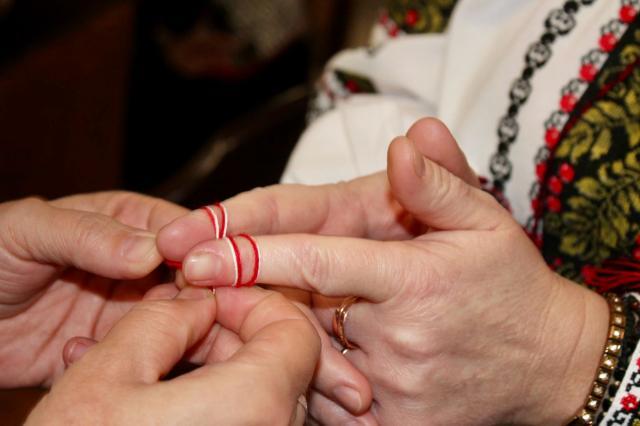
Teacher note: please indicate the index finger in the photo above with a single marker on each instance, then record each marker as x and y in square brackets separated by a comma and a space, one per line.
[332, 266]
[132, 209]
[337, 209]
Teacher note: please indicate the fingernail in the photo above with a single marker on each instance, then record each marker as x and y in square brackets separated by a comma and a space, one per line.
[180, 281]
[418, 161]
[194, 293]
[140, 247]
[203, 266]
[349, 397]
[74, 351]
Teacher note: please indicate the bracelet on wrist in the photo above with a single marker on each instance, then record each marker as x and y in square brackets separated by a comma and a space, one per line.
[608, 363]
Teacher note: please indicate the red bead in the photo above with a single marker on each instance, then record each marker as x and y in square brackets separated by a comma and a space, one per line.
[568, 102]
[588, 72]
[555, 185]
[552, 137]
[557, 262]
[537, 240]
[566, 172]
[351, 86]
[541, 170]
[554, 204]
[629, 402]
[608, 42]
[535, 206]
[628, 14]
[638, 240]
[411, 18]
[393, 31]
[636, 253]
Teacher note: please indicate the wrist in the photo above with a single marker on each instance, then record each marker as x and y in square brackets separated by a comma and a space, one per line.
[574, 337]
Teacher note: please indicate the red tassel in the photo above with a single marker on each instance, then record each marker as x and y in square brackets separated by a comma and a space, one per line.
[617, 275]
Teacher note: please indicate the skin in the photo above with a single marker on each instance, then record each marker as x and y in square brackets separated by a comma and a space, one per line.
[460, 321]
[117, 381]
[71, 267]
[74, 266]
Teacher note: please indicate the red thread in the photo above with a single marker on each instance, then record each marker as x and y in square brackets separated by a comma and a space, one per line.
[617, 274]
[256, 264]
[220, 230]
[236, 252]
[173, 264]
[223, 220]
[214, 220]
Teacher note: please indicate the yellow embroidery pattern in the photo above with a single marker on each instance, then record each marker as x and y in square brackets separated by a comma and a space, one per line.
[599, 219]
[421, 16]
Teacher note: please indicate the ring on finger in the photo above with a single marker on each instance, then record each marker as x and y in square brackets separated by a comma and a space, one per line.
[338, 323]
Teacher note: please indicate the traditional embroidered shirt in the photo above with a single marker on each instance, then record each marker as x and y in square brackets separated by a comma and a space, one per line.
[459, 61]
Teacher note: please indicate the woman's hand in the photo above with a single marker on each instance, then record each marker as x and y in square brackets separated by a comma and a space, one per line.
[361, 208]
[464, 324]
[71, 267]
[117, 381]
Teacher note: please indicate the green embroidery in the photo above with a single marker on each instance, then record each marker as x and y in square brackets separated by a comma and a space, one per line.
[421, 16]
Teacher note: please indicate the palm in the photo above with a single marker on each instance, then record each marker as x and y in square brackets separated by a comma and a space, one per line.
[45, 305]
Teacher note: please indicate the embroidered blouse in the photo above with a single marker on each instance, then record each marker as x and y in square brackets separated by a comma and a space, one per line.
[459, 60]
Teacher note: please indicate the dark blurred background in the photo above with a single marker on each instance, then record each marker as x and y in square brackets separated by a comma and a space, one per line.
[190, 100]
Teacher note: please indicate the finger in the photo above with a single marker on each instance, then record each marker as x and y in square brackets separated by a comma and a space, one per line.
[75, 348]
[335, 377]
[132, 209]
[434, 140]
[88, 241]
[327, 209]
[361, 325]
[280, 344]
[333, 266]
[437, 197]
[148, 341]
[300, 412]
[217, 346]
[326, 412]
[161, 292]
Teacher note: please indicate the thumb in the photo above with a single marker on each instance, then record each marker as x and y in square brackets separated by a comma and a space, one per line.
[434, 140]
[35, 231]
[437, 197]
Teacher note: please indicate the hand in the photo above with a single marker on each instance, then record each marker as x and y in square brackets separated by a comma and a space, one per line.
[464, 324]
[117, 381]
[362, 208]
[71, 267]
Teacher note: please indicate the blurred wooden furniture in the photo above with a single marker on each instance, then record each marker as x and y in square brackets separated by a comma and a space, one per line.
[62, 101]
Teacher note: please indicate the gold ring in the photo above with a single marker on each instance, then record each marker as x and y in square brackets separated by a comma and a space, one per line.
[339, 318]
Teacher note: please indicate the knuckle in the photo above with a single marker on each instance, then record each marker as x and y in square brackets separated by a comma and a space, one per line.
[268, 202]
[411, 343]
[315, 266]
[159, 311]
[89, 230]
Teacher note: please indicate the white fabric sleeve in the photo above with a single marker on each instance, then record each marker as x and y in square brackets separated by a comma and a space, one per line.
[352, 139]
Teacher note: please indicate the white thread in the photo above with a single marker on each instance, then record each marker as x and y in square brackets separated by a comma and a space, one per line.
[235, 262]
[225, 216]
[216, 225]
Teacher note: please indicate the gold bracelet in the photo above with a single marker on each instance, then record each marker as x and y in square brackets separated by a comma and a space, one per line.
[608, 363]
